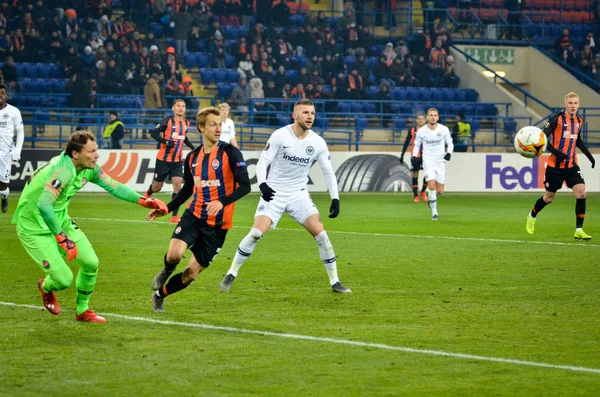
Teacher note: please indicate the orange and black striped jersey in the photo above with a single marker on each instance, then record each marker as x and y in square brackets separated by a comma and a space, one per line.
[563, 133]
[175, 131]
[410, 141]
[218, 175]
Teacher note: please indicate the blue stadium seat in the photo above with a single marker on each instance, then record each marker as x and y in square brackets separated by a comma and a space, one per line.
[399, 123]
[413, 94]
[20, 69]
[59, 86]
[30, 70]
[360, 123]
[467, 109]
[220, 76]
[283, 119]
[490, 109]
[302, 60]
[370, 107]
[453, 109]
[426, 94]
[396, 107]
[171, 42]
[370, 61]
[343, 107]
[203, 60]
[233, 76]
[399, 94]
[461, 96]
[156, 28]
[438, 95]
[357, 107]
[44, 70]
[229, 60]
[407, 108]
[44, 86]
[475, 125]
[372, 90]
[207, 76]
[349, 60]
[61, 101]
[225, 89]
[442, 109]
[449, 94]
[189, 59]
[56, 71]
[472, 95]
[292, 75]
[322, 122]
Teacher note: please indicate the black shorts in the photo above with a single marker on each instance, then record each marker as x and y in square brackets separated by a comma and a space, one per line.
[164, 169]
[556, 176]
[203, 240]
[418, 166]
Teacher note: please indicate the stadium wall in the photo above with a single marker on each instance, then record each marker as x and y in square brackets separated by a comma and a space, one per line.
[356, 172]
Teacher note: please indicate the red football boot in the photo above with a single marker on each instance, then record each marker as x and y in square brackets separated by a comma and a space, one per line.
[89, 316]
[416, 199]
[424, 196]
[49, 299]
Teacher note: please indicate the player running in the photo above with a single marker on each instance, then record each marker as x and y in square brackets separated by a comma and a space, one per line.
[290, 152]
[410, 140]
[216, 175]
[564, 135]
[171, 133]
[437, 146]
[10, 121]
[48, 233]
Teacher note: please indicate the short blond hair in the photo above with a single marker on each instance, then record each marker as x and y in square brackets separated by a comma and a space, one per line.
[203, 114]
[223, 105]
[433, 110]
[571, 95]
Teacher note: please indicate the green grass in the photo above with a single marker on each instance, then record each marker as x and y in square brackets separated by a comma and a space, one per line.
[473, 283]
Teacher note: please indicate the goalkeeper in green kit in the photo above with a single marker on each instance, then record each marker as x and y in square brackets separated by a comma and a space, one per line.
[46, 230]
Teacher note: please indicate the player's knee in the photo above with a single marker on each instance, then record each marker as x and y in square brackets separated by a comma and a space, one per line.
[63, 280]
[90, 264]
[173, 257]
[323, 239]
[255, 234]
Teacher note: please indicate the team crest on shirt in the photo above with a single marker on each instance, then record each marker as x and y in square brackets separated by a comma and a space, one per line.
[261, 208]
[5, 116]
[178, 229]
[83, 181]
[46, 264]
[310, 150]
[215, 164]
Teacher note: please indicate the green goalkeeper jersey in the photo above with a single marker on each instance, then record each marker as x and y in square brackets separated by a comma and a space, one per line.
[45, 200]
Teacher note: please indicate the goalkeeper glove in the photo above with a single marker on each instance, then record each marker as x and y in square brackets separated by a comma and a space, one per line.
[447, 157]
[266, 192]
[67, 245]
[154, 204]
[334, 209]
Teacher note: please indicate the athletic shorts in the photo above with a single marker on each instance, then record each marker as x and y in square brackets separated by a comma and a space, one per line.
[44, 249]
[164, 169]
[299, 206]
[5, 164]
[555, 177]
[418, 166]
[435, 170]
[203, 240]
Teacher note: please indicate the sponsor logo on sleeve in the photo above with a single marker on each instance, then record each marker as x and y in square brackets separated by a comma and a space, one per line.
[240, 164]
[46, 264]
[56, 183]
[267, 146]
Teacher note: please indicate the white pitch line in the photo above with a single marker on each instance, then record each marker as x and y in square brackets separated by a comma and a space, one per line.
[336, 341]
[487, 240]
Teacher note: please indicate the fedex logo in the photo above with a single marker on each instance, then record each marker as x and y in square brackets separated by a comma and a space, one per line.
[528, 177]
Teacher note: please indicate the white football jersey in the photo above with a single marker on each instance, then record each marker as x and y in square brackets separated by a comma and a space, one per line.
[434, 142]
[291, 158]
[227, 131]
[10, 121]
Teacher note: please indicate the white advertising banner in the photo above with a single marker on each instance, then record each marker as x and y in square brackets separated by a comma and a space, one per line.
[355, 171]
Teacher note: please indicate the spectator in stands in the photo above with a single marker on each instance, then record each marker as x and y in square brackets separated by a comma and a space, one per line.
[4, 44]
[298, 92]
[150, 40]
[316, 79]
[280, 77]
[89, 25]
[240, 96]
[382, 9]
[183, 25]
[437, 62]
[356, 85]
[461, 133]
[281, 12]
[115, 78]
[386, 107]
[596, 68]
[257, 92]
[170, 65]
[104, 28]
[136, 43]
[88, 62]
[144, 59]
[587, 56]
[420, 70]
[246, 67]
[172, 88]
[271, 90]
[113, 135]
[185, 90]
[363, 69]
[515, 9]
[389, 54]
[79, 93]
[562, 42]
[54, 50]
[365, 41]
[334, 48]
[240, 49]
[383, 72]
[349, 18]
[17, 45]
[70, 21]
[303, 76]
[569, 56]
[313, 64]
[151, 98]
[449, 79]
[218, 52]
[9, 71]
[401, 49]
[329, 67]
[590, 41]
[351, 41]
[303, 41]
[95, 42]
[444, 35]
[71, 62]
[340, 86]
[128, 58]
[286, 91]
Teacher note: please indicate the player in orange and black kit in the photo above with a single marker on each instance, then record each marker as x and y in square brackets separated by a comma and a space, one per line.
[564, 135]
[216, 175]
[171, 134]
[418, 165]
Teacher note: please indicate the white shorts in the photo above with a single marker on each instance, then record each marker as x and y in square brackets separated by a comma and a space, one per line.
[435, 170]
[299, 206]
[5, 164]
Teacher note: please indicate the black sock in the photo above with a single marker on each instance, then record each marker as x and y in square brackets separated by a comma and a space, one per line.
[415, 185]
[580, 212]
[176, 209]
[169, 266]
[149, 191]
[174, 284]
[424, 185]
[539, 205]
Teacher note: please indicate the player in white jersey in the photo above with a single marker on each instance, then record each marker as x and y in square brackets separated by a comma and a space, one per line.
[290, 152]
[227, 125]
[10, 121]
[437, 149]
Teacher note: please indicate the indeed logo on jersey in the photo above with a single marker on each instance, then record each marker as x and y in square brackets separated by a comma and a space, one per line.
[432, 142]
[511, 177]
[296, 159]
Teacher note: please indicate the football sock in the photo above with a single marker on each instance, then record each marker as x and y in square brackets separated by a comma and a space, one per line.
[539, 205]
[327, 256]
[424, 185]
[4, 193]
[432, 197]
[580, 212]
[244, 250]
[169, 266]
[175, 210]
[174, 284]
[149, 191]
[415, 185]
[88, 273]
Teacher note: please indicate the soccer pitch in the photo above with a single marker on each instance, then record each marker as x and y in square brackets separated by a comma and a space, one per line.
[469, 305]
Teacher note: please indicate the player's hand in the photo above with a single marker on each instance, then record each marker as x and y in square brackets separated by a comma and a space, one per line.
[152, 215]
[593, 162]
[334, 208]
[560, 157]
[16, 157]
[67, 245]
[447, 156]
[213, 207]
[401, 159]
[152, 203]
[169, 143]
[266, 192]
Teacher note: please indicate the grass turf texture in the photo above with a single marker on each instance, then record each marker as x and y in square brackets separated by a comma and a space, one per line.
[413, 287]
